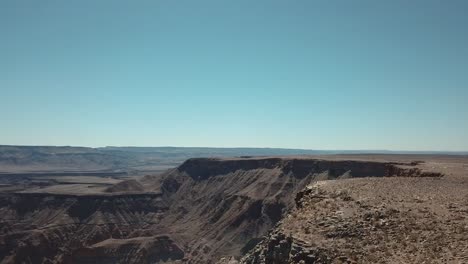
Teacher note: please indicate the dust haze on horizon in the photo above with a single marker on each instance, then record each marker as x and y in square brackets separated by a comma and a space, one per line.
[322, 75]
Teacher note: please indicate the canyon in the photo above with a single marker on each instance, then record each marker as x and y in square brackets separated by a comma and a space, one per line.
[250, 209]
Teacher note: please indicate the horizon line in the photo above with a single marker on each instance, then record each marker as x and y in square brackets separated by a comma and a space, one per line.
[368, 151]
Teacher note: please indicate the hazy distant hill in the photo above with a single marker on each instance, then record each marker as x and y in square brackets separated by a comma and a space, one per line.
[66, 158]
[50, 158]
[26, 158]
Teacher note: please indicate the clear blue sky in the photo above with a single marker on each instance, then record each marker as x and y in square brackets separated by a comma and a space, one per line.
[297, 74]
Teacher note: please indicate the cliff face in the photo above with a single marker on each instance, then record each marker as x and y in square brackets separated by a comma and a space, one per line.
[202, 169]
[232, 203]
[200, 211]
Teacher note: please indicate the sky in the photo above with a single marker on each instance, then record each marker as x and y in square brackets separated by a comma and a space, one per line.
[364, 74]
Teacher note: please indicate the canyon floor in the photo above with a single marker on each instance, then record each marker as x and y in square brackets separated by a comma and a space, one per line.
[289, 209]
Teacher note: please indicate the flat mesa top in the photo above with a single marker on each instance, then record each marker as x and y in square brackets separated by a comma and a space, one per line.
[365, 157]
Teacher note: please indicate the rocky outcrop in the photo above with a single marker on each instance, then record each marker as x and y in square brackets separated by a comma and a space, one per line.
[406, 171]
[279, 248]
[389, 220]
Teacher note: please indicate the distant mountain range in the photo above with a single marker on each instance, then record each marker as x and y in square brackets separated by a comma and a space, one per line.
[140, 159]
